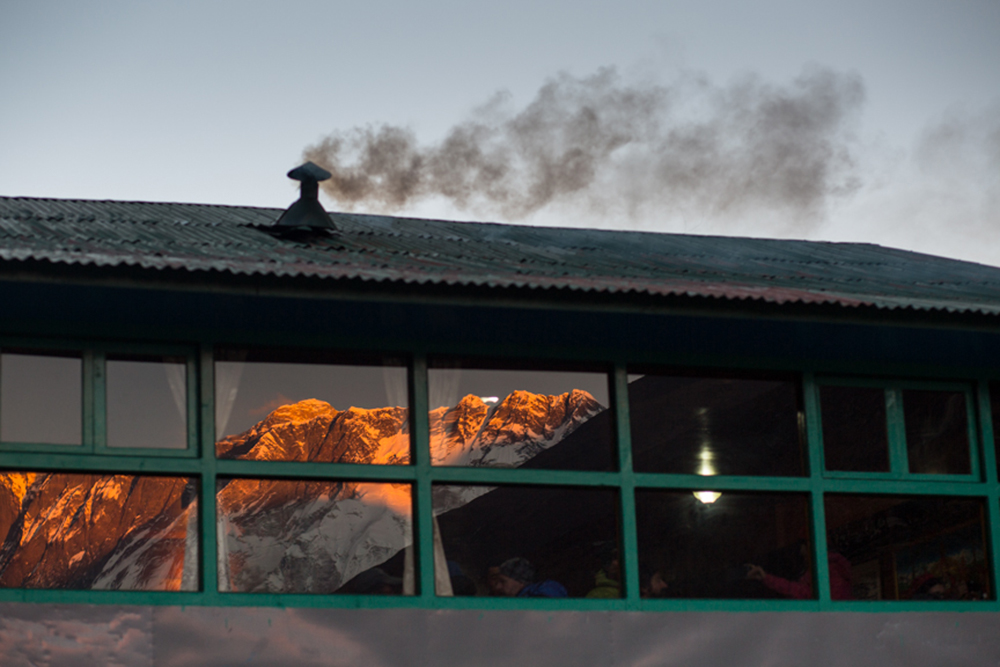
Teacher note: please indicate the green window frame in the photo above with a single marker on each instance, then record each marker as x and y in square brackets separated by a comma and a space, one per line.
[199, 461]
[94, 392]
[898, 456]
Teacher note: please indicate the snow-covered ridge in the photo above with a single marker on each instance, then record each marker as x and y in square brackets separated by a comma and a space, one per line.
[507, 433]
[281, 536]
[139, 532]
[472, 433]
[97, 531]
[313, 430]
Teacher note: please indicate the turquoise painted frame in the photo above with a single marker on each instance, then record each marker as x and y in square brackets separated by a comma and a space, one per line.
[896, 427]
[86, 445]
[93, 399]
[199, 461]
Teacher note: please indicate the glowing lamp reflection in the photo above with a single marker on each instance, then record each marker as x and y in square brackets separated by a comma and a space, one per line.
[706, 468]
[706, 463]
[707, 497]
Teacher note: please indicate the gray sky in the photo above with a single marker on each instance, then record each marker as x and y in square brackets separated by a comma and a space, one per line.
[214, 101]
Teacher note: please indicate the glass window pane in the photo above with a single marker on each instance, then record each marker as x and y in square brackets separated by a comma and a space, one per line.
[300, 536]
[715, 425]
[937, 432]
[855, 433]
[516, 541]
[147, 402]
[507, 418]
[723, 545]
[40, 398]
[908, 548]
[272, 407]
[109, 532]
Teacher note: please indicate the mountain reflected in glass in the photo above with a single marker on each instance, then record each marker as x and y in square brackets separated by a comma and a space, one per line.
[269, 409]
[324, 536]
[110, 532]
[281, 536]
[508, 418]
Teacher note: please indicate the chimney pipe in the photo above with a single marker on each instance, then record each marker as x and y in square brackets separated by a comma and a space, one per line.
[306, 211]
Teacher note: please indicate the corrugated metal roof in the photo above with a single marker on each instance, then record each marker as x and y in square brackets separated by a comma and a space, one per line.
[233, 239]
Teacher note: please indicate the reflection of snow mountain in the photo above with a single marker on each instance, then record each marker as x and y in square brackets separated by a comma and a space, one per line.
[313, 430]
[307, 536]
[97, 531]
[139, 532]
[501, 435]
[508, 433]
[315, 536]
[472, 433]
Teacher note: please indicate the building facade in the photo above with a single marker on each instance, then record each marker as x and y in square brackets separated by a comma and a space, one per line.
[237, 435]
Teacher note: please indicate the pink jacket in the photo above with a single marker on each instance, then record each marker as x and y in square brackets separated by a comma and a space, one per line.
[840, 581]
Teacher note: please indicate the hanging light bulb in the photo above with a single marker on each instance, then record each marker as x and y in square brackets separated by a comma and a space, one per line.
[707, 497]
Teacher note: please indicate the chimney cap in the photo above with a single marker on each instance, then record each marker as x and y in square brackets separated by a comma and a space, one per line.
[306, 211]
[309, 171]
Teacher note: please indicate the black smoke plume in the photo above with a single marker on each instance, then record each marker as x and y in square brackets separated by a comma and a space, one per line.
[607, 145]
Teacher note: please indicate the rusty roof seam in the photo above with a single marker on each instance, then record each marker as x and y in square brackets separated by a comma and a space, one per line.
[738, 295]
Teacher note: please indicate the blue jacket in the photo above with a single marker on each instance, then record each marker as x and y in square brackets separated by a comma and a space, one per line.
[543, 589]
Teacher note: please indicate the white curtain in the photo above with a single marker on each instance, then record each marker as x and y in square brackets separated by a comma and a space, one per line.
[442, 579]
[177, 380]
[222, 552]
[443, 389]
[189, 578]
[227, 386]
[394, 378]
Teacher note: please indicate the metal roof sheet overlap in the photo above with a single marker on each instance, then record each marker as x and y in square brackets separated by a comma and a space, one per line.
[236, 240]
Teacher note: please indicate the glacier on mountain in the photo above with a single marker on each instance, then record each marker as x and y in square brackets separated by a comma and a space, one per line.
[139, 532]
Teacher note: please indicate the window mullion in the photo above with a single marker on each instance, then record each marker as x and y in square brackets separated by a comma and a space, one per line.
[976, 443]
[987, 434]
[208, 543]
[192, 404]
[423, 511]
[629, 539]
[989, 462]
[99, 422]
[899, 463]
[87, 398]
[814, 446]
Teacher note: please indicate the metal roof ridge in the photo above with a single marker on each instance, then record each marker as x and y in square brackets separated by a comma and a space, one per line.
[140, 201]
[506, 225]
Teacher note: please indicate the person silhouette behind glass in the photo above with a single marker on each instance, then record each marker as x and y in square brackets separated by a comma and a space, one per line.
[516, 577]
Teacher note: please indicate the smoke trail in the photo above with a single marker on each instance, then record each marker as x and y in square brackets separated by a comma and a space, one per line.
[941, 195]
[603, 144]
